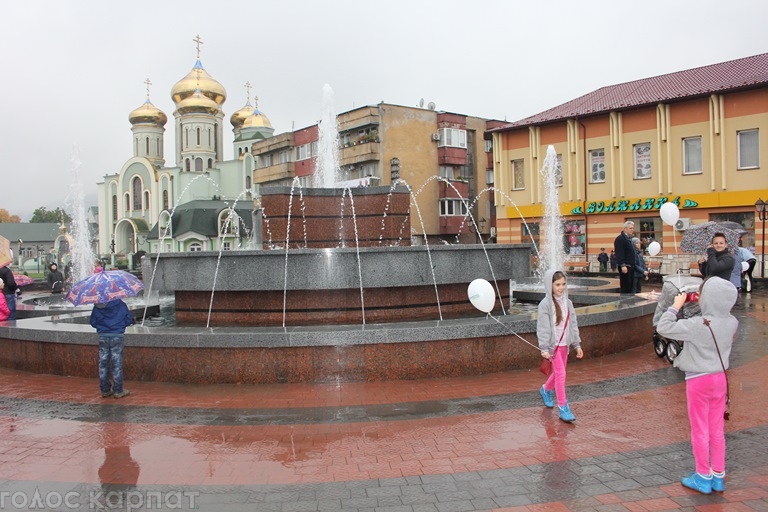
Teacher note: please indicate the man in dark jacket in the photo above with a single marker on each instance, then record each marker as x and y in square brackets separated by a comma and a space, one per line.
[110, 321]
[719, 261]
[9, 290]
[625, 256]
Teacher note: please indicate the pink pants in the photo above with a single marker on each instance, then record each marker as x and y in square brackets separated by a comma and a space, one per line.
[556, 379]
[706, 405]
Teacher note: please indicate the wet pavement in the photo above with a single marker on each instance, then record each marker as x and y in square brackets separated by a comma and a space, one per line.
[437, 445]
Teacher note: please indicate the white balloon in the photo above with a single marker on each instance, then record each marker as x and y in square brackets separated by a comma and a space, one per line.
[481, 295]
[744, 266]
[654, 248]
[669, 213]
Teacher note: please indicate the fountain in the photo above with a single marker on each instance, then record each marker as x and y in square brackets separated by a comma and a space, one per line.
[342, 295]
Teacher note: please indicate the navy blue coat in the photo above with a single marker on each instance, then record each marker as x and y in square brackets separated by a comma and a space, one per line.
[111, 318]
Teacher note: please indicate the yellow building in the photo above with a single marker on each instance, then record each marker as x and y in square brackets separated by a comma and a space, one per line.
[693, 137]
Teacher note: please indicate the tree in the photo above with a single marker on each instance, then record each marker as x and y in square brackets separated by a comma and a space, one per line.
[43, 215]
[7, 217]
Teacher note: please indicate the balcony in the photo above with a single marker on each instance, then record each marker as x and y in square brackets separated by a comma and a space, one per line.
[274, 173]
[360, 152]
[460, 189]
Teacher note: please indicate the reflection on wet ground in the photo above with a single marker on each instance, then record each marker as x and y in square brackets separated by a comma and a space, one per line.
[471, 443]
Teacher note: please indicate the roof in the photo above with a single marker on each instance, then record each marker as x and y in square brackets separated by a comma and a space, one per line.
[745, 73]
[201, 217]
[31, 232]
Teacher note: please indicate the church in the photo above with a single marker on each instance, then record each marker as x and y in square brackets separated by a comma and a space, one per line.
[197, 203]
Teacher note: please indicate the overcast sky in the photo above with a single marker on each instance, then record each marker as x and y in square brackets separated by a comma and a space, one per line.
[73, 71]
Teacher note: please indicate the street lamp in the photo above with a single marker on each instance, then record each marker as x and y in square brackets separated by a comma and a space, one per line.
[762, 214]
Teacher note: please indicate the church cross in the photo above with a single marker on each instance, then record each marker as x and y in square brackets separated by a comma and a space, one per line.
[248, 90]
[198, 42]
[148, 84]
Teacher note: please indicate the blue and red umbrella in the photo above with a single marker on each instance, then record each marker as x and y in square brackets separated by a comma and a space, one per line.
[102, 287]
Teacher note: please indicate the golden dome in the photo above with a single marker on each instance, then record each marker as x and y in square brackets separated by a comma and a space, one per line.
[197, 103]
[196, 79]
[257, 120]
[147, 113]
[240, 116]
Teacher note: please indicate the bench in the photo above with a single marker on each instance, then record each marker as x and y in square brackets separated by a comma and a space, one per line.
[654, 267]
[573, 265]
[694, 270]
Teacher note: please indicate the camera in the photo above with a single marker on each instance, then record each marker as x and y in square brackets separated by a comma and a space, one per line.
[692, 297]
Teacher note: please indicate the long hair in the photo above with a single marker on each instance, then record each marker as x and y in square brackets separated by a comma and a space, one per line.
[558, 313]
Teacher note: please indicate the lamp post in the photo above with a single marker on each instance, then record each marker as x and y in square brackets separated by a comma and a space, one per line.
[762, 214]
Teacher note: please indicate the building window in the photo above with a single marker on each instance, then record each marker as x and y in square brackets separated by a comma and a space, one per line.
[147, 145]
[747, 221]
[136, 186]
[195, 247]
[488, 145]
[186, 164]
[453, 138]
[114, 207]
[692, 155]
[574, 237]
[198, 165]
[642, 154]
[518, 175]
[449, 172]
[531, 232]
[749, 149]
[210, 163]
[453, 207]
[489, 176]
[226, 246]
[146, 199]
[284, 156]
[248, 182]
[304, 151]
[127, 202]
[266, 160]
[559, 171]
[597, 166]
[648, 229]
[165, 199]
[198, 136]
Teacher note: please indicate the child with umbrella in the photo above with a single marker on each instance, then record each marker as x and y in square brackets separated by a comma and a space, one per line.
[110, 317]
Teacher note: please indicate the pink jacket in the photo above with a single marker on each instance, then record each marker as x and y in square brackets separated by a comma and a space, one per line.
[4, 311]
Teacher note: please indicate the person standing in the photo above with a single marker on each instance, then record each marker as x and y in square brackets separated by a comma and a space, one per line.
[4, 311]
[9, 291]
[625, 256]
[55, 278]
[746, 255]
[110, 320]
[613, 260]
[708, 340]
[718, 261]
[557, 330]
[641, 272]
[602, 258]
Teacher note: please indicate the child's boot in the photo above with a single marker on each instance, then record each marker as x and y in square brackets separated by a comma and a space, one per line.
[547, 397]
[718, 481]
[565, 413]
[698, 482]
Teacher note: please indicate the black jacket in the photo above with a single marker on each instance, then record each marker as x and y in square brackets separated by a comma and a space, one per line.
[718, 264]
[10, 283]
[625, 252]
[56, 280]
